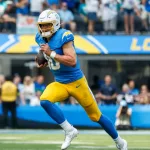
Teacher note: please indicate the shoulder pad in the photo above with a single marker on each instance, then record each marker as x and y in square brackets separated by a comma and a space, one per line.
[67, 37]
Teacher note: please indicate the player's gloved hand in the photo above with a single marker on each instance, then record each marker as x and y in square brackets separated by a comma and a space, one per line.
[42, 65]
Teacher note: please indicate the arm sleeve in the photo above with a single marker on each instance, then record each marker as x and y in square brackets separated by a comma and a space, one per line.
[67, 37]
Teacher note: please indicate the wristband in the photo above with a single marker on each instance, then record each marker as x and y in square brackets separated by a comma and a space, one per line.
[53, 54]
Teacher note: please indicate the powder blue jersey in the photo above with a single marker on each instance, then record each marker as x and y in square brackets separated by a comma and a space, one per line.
[61, 72]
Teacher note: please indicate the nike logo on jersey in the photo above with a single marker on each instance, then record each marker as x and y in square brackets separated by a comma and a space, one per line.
[78, 86]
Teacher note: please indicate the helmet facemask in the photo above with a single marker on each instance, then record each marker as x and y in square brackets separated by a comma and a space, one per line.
[46, 29]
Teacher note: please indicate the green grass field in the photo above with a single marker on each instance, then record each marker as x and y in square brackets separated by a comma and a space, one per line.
[50, 140]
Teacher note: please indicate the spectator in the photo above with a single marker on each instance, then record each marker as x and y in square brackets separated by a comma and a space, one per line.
[125, 95]
[36, 100]
[8, 98]
[45, 5]
[133, 90]
[2, 80]
[53, 2]
[9, 18]
[3, 6]
[96, 85]
[22, 7]
[123, 116]
[92, 9]
[146, 3]
[54, 7]
[17, 82]
[144, 96]
[108, 9]
[129, 6]
[39, 84]
[36, 7]
[67, 17]
[143, 16]
[71, 4]
[28, 91]
[82, 9]
[108, 92]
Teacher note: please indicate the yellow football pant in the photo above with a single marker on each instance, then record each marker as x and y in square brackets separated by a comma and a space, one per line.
[57, 92]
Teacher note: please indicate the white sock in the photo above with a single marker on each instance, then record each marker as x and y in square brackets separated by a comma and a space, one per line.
[66, 126]
[119, 140]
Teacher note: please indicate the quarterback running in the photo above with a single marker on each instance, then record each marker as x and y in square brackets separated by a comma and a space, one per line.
[57, 45]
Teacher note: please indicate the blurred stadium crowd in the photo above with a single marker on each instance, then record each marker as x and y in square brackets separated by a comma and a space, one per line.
[105, 92]
[82, 16]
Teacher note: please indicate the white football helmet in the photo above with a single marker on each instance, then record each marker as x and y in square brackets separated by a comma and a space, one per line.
[48, 17]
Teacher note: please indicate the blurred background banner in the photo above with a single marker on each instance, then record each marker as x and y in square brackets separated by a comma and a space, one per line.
[27, 115]
[85, 44]
[26, 25]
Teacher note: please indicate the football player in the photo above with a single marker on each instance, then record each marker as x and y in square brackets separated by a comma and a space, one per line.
[57, 45]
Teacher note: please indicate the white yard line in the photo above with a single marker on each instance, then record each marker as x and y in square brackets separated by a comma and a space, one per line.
[101, 132]
[28, 149]
[44, 142]
[109, 147]
[11, 138]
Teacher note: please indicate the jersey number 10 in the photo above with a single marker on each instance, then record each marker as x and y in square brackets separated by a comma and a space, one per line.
[53, 64]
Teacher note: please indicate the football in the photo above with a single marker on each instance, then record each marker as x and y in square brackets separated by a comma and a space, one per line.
[40, 58]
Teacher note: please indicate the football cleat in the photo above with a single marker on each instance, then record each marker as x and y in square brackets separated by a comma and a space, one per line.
[69, 136]
[124, 146]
